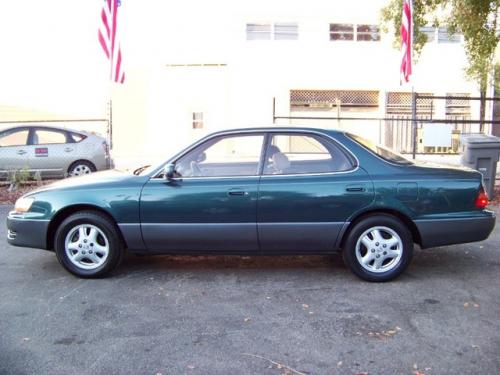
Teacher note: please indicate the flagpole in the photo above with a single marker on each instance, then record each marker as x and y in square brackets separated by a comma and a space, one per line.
[413, 93]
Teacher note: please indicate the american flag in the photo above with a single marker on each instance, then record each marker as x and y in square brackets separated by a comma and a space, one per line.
[406, 40]
[108, 39]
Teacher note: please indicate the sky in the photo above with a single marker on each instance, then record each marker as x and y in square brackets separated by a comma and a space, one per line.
[50, 57]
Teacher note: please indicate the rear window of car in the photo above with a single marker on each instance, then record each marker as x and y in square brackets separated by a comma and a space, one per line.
[381, 151]
[77, 137]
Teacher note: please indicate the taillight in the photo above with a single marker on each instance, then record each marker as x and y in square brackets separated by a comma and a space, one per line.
[105, 147]
[481, 199]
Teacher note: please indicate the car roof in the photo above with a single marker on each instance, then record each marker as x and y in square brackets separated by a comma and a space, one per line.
[43, 126]
[279, 128]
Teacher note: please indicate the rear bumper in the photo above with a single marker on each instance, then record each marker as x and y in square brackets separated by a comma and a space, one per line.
[442, 232]
[26, 232]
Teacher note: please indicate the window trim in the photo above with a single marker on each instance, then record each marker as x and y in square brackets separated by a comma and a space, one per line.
[157, 173]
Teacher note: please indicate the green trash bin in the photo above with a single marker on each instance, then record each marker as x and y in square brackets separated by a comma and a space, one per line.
[481, 152]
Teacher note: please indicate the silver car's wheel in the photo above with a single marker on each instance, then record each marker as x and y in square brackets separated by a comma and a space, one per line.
[87, 247]
[379, 249]
[80, 169]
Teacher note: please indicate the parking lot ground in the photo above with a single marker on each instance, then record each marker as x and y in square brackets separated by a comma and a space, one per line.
[251, 315]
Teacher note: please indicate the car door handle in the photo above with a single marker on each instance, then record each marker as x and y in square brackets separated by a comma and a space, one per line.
[68, 149]
[354, 189]
[21, 152]
[235, 192]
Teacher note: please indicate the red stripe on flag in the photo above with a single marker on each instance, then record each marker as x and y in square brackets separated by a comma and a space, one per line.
[108, 39]
[103, 44]
[118, 64]
[406, 41]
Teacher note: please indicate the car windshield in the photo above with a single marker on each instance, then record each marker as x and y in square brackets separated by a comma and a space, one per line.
[383, 152]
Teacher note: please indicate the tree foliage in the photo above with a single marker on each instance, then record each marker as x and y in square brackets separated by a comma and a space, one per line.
[475, 19]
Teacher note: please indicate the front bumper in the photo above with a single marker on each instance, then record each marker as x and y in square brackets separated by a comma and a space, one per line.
[27, 232]
[442, 232]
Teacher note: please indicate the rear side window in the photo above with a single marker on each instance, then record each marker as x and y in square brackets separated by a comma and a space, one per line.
[302, 154]
[75, 137]
[48, 137]
[14, 138]
[381, 151]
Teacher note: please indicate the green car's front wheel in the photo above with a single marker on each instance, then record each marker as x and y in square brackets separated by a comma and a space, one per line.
[88, 244]
[378, 248]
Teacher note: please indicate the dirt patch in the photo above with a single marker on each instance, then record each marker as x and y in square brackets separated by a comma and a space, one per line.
[10, 197]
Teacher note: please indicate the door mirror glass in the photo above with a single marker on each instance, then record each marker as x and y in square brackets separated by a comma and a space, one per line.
[169, 172]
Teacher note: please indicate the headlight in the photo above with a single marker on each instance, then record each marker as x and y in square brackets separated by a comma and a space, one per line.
[23, 204]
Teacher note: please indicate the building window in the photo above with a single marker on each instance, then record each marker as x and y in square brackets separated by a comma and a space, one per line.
[276, 31]
[445, 37]
[429, 32]
[197, 120]
[370, 33]
[457, 105]
[324, 100]
[286, 31]
[400, 103]
[350, 32]
[442, 35]
[341, 31]
[258, 31]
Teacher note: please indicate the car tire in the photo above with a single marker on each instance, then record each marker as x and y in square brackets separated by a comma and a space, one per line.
[88, 244]
[378, 248]
[81, 167]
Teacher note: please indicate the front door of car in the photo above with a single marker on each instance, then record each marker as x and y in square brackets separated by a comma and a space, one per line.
[210, 205]
[309, 188]
[13, 150]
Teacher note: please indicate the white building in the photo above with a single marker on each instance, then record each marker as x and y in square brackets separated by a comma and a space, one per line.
[219, 64]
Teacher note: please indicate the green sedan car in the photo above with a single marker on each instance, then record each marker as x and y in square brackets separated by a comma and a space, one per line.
[261, 191]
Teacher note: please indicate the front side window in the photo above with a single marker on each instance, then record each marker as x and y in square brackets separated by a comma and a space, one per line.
[48, 137]
[14, 138]
[300, 154]
[222, 157]
[381, 151]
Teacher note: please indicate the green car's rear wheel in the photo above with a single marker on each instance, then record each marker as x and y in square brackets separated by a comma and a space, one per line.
[378, 248]
[88, 244]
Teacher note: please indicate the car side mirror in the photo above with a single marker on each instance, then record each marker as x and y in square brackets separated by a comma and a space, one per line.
[169, 172]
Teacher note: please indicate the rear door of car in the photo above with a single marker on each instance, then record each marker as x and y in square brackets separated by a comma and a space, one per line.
[13, 150]
[309, 187]
[49, 151]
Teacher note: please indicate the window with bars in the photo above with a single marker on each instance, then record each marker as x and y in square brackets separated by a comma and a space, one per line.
[457, 105]
[328, 99]
[197, 120]
[400, 103]
[351, 32]
[276, 31]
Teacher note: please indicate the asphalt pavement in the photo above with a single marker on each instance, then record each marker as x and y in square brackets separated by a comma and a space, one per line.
[251, 315]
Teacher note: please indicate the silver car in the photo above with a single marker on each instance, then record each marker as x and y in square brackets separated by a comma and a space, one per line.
[54, 152]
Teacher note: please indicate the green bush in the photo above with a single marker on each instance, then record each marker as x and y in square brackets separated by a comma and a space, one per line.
[18, 177]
